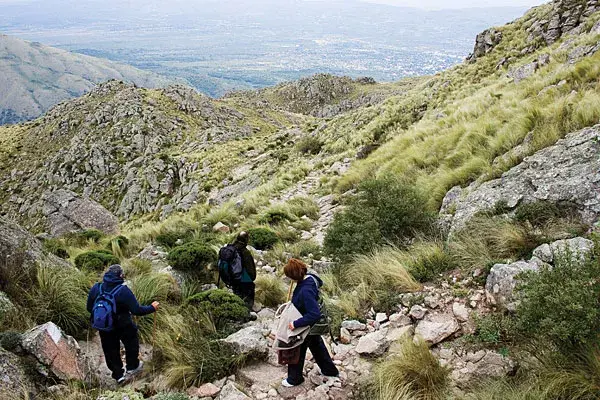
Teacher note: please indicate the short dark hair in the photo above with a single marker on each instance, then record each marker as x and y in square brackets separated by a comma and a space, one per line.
[115, 269]
[243, 237]
[295, 269]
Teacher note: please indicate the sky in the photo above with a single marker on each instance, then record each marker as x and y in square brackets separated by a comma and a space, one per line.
[427, 4]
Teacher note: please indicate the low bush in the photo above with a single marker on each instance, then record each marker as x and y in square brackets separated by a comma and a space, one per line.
[495, 328]
[95, 260]
[262, 238]
[309, 145]
[537, 213]
[194, 258]
[300, 206]
[561, 304]
[383, 211]
[170, 239]
[223, 307]
[83, 238]
[56, 247]
[413, 374]
[270, 291]
[276, 214]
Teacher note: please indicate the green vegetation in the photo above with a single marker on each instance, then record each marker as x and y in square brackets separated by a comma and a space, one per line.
[56, 247]
[84, 237]
[309, 145]
[270, 291]
[383, 211]
[262, 238]
[95, 260]
[194, 258]
[223, 307]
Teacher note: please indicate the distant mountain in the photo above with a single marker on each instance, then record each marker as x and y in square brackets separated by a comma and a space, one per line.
[34, 77]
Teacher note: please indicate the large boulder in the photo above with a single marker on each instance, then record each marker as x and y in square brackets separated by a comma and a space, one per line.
[231, 392]
[485, 42]
[14, 382]
[249, 341]
[502, 280]
[576, 249]
[59, 353]
[437, 327]
[373, 344]
[20, 251]
[567, 172]
[68, 212]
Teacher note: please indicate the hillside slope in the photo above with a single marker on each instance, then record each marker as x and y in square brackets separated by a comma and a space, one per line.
[35, 77]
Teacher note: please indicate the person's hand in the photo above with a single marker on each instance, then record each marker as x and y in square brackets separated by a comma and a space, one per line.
[291, 326]
[155, 304]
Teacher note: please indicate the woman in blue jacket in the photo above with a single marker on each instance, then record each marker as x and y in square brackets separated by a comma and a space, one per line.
[306, 300]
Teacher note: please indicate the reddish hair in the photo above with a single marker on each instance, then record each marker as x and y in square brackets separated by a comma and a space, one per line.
[295, 269]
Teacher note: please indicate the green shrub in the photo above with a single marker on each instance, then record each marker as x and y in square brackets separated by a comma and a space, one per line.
[309, 145]
[84, 237]
[277, 214]
[537, 213]
[171, 396]
[224, 307]
[10, 340]
[194, 258]
[169, 239]
[561, 304]
[429, 259]
[270, 291]
[495, 328]
[262, 238]
[56, 247]
[383, 211]
[95, 260]
[300, 206]
[124, 394]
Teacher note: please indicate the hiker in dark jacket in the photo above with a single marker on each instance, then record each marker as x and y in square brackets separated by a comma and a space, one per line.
[245, 287]
[125, 329]
[306, 300]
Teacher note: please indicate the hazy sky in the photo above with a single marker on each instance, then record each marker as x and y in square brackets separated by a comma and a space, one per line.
[429, 4]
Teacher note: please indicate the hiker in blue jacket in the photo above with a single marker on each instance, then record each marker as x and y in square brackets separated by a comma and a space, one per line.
[306, 300]
[124, 329]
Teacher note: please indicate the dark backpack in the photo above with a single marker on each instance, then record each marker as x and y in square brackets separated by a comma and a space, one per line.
[230, 265]
[323, 325]
[104, 311]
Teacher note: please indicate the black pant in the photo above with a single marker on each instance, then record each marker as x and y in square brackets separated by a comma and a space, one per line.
[245, 291]
[111, 345]
[321, 356]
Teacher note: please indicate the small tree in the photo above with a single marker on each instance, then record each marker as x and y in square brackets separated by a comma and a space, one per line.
[194, 258]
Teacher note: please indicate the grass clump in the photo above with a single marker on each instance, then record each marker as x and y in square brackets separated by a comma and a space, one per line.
[95, 260]
[300, 206]
[195, 259]
[270, 291]
[56, 247]
[83, 238]
[413, 374]
[170, 239]
[427, 260]
[309, 145]
[383, 211]
[262, 238]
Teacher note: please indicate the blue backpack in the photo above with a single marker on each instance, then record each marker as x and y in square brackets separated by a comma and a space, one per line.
[105, 310]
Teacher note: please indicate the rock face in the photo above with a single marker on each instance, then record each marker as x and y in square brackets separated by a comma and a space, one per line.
[562, 17]
[67, 212]
[14, 382]
[19, 250]
[484, 43]
[567, 172]
[501, 281]
[249, 340]
[56, 351]
[576, 248]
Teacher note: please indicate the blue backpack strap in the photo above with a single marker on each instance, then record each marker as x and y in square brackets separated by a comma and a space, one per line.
[116, 290]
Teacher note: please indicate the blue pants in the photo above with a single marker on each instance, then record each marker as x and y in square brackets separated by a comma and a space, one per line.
[321, 356]
[111, 345]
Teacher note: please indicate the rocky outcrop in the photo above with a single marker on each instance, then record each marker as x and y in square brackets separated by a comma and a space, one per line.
[566, 173]
[485, 42]
[502, 281]
[474, 366]
[562, 17]
[14, 382]
[576, 249]
[57, 352]
[250, 340]
[67, 212]
[437, 328]
[20, 251]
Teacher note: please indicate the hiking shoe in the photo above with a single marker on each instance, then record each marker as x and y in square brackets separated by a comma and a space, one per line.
[121, 380]
[286, 384]
[253, 316]
[137, 370]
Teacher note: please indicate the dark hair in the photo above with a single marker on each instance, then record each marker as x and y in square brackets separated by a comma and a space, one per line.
[295, 269]
[116, 269]
[243, 238]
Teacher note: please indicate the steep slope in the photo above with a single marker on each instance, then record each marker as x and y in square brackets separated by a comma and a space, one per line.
[34, 77]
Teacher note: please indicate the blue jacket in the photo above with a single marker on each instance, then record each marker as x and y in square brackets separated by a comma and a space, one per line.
[127, 304]
[306, 300]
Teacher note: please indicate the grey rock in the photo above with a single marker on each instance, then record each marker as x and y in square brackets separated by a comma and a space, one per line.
[249, 340]
[354, 325]
[322, 266]
[523, 72]
[485, 42]
[567, 172]
[395, 334]
[5, 304]
[564, 17]
[417, 312]
[484, 364]
[68, 212]
[14, 381]
[399, 320]
[502, 280]
[437, 328]
[231, 392]
[577, 248]
[373, 344]
[461, 312]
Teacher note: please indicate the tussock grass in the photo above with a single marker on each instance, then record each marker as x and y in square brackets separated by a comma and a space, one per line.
[413, 374]
[270, 290]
